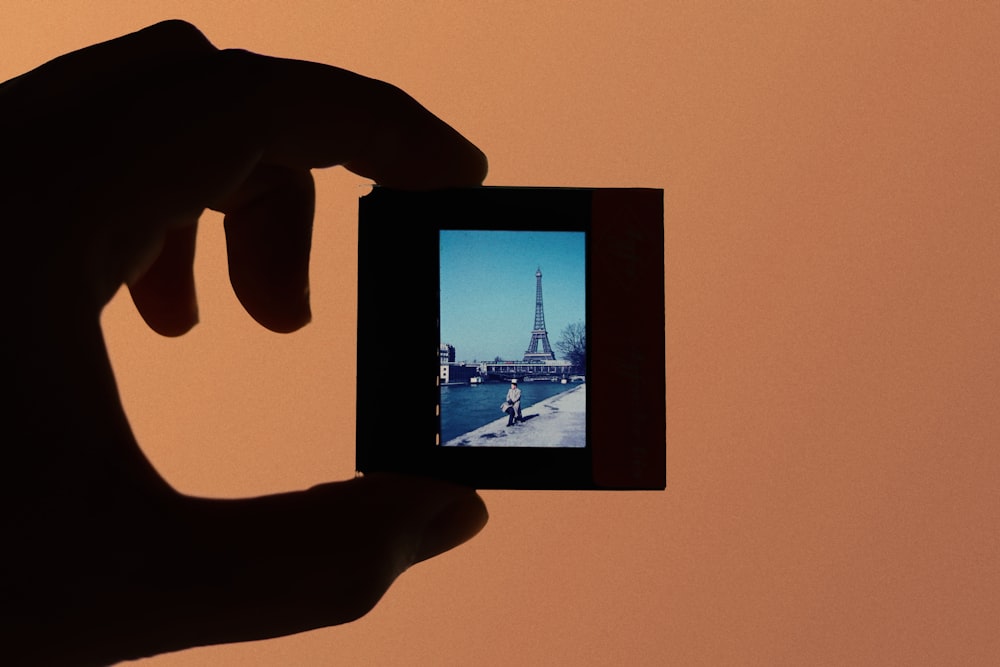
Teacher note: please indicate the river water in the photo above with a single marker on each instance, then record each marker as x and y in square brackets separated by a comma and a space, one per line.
[467, 407]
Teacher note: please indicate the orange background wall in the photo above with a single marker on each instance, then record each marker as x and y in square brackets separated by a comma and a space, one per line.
[833, 308]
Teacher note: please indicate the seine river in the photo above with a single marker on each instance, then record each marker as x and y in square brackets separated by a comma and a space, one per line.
[467, 407]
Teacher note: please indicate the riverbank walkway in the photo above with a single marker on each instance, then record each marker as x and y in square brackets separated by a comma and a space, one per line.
[558, 421]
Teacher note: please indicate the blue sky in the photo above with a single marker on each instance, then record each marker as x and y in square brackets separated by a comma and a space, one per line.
[488, 289]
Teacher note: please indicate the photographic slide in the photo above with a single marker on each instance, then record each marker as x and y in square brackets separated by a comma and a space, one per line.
[512, 329]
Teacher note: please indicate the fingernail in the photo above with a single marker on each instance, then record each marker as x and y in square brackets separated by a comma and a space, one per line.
[194, 316]
[305, 308]
[458, 522]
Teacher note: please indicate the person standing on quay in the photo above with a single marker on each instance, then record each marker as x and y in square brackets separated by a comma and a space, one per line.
[513, 404]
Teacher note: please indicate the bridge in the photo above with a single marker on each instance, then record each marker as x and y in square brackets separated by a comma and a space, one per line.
[527, 370]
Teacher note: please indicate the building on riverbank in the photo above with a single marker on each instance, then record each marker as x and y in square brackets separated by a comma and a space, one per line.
[459, 373]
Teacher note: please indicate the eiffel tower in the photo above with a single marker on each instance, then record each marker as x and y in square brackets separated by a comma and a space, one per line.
[539, 336]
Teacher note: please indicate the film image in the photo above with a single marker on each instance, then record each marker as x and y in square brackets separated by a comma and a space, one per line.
[513, 346]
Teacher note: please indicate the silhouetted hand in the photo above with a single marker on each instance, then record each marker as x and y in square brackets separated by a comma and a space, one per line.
[108, 157]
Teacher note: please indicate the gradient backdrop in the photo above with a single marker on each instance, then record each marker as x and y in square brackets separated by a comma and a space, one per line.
[833, 309]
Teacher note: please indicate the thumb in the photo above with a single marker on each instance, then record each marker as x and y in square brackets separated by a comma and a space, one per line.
[278, 565]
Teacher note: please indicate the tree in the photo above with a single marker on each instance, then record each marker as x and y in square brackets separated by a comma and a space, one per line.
[573, 345]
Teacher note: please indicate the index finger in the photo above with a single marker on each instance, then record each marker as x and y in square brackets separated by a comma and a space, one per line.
[205, 124]
[300, 101]
[318, 115]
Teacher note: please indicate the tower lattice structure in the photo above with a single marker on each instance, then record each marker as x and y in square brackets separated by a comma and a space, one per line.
[539, 336]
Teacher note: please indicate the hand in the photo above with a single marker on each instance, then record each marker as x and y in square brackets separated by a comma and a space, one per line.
[109, 156]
